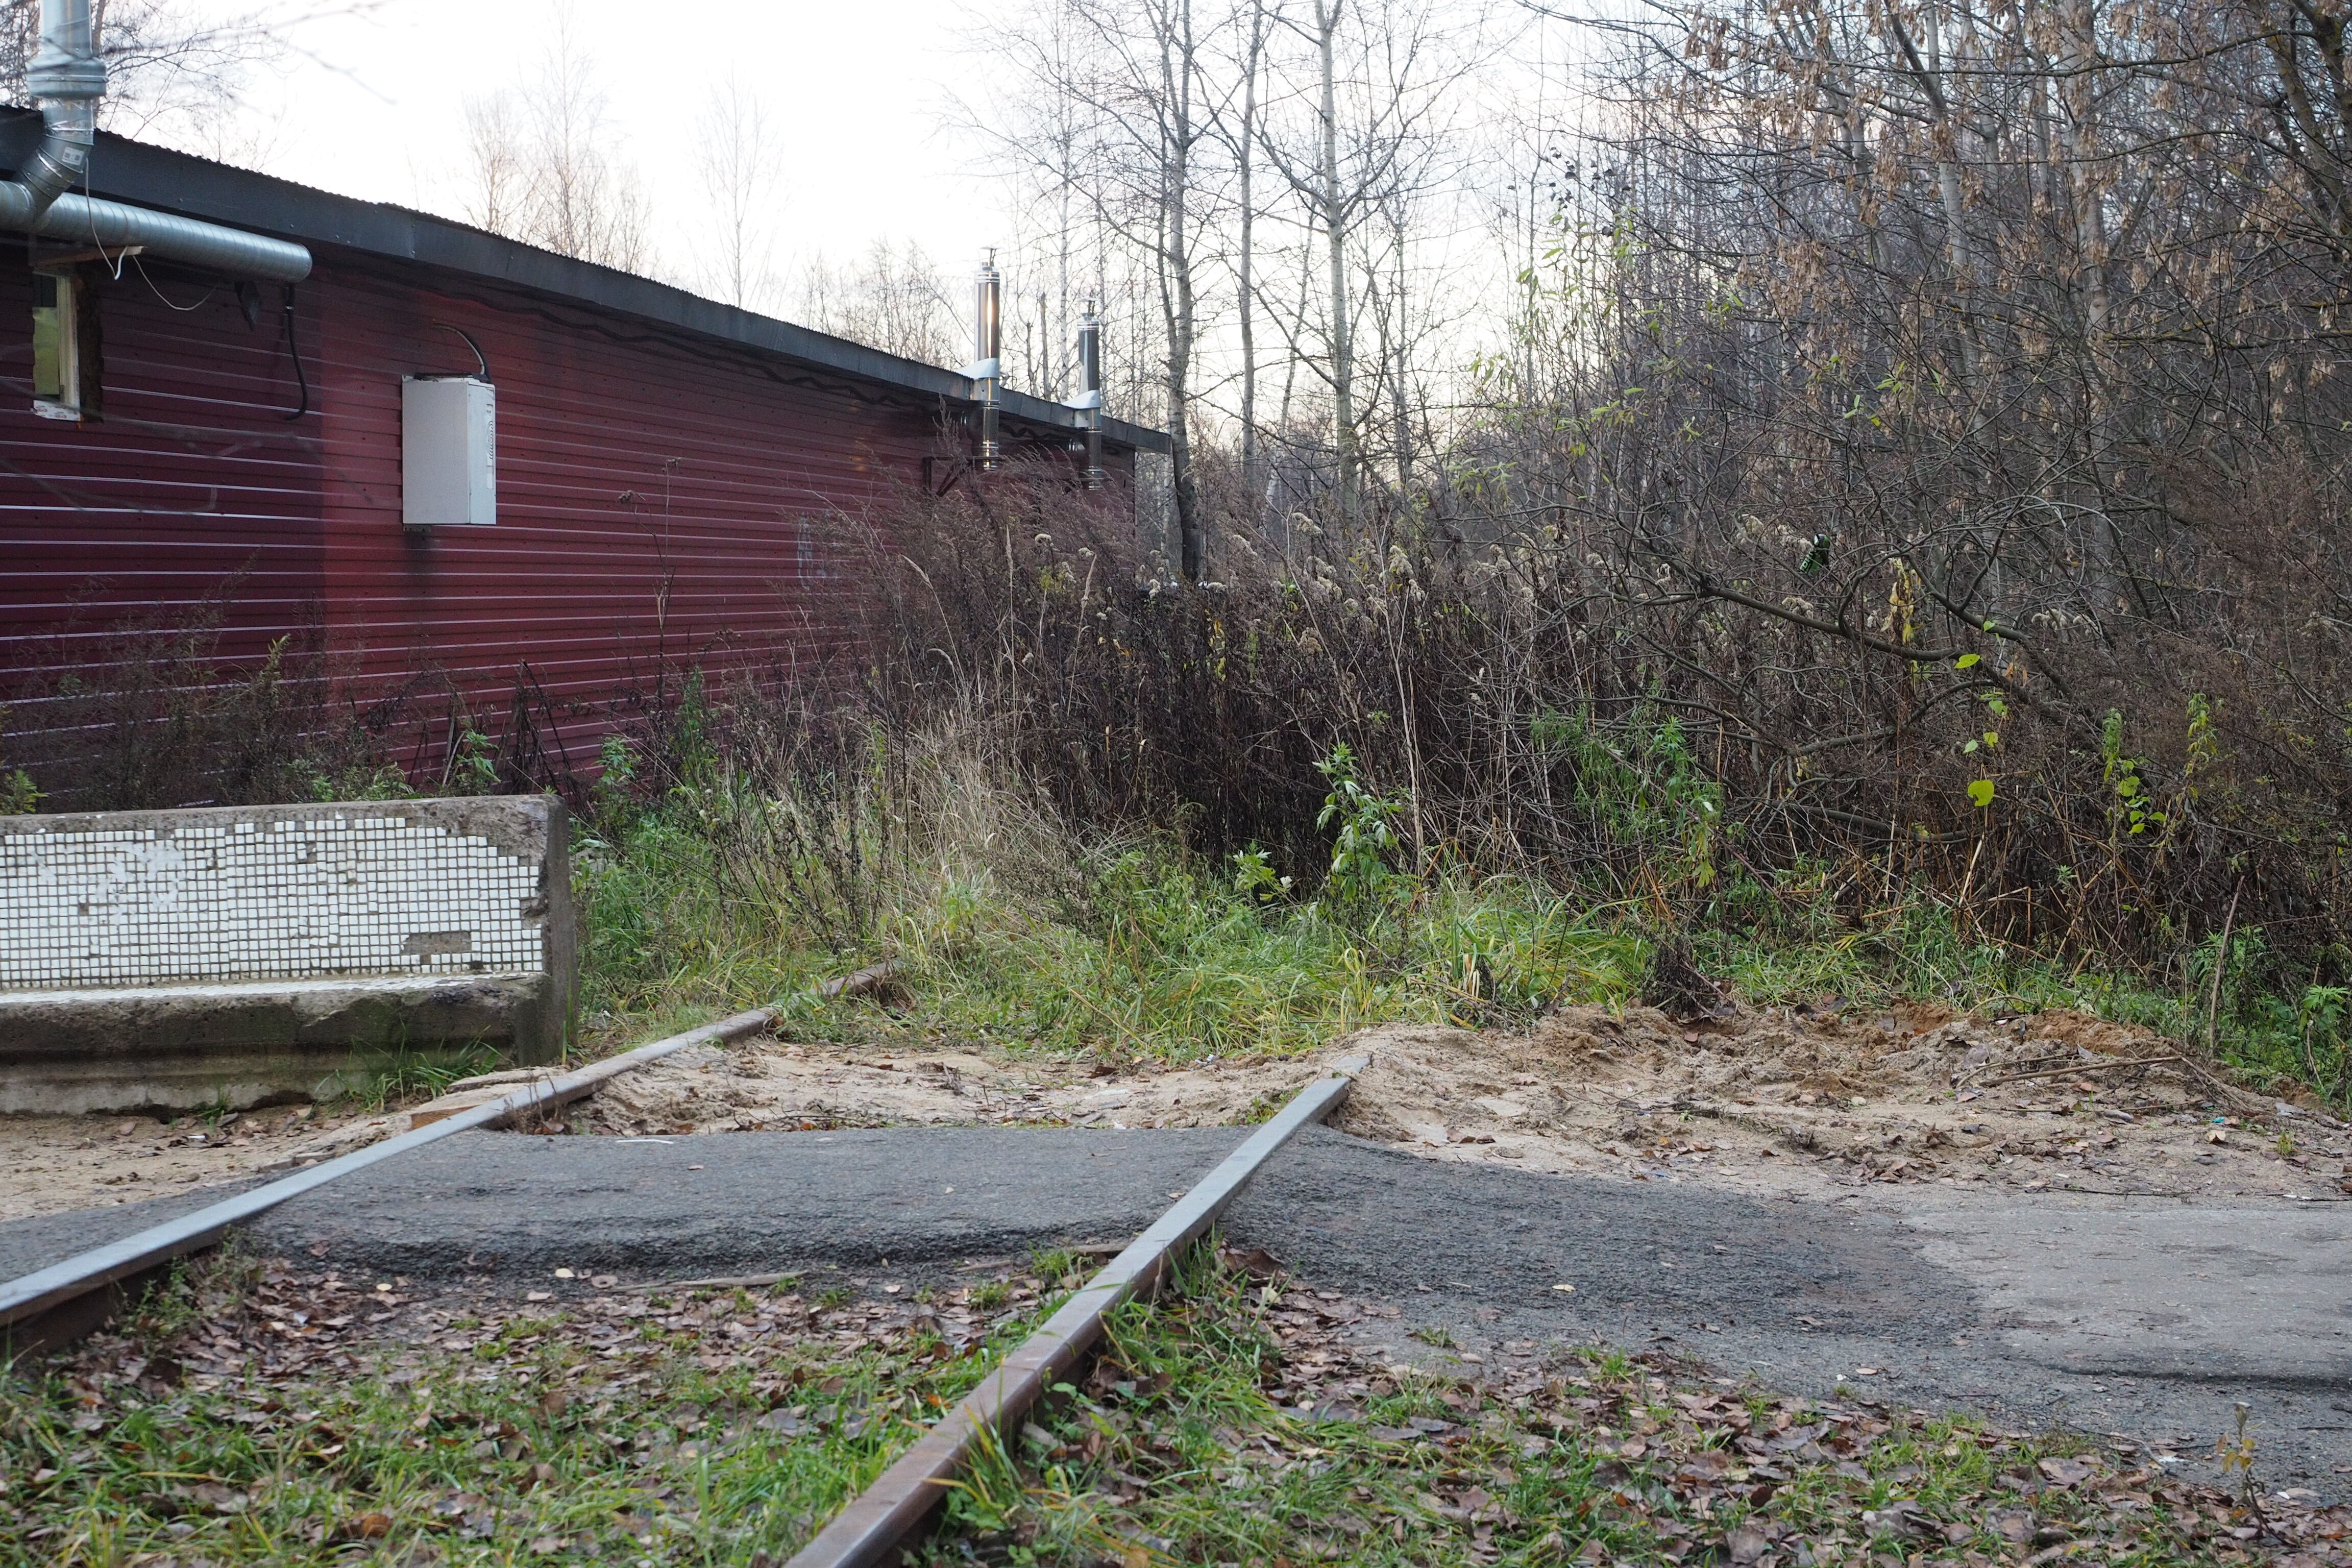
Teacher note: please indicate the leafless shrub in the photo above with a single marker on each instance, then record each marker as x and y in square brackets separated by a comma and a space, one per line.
[152, 715]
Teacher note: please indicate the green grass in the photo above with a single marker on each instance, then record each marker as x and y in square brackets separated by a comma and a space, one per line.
[250, 1415]
[1139, 949]
[254, 1416]
[247, 1415]
[405, 1074]
[1176, 1450]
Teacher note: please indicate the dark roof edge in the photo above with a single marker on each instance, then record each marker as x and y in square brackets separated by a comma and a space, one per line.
[150, 177]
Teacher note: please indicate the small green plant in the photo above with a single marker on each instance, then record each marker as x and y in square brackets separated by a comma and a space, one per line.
[17, 796]
[2203, 752]
[1254, 877]
[2237, 1456]
[1060, 1270]
[166, 1307]
[2134, 809]
[473, 765]
[2320, 1026]
[356, 781]
[1996, 706]
[987, 1499]
[615, 794]
[407, 1074]
[1641, 781]
[1364, 827]
[991, 1294]
[188, 1290]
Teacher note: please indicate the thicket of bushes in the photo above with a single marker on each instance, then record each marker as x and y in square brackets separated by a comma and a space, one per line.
[1388, 773]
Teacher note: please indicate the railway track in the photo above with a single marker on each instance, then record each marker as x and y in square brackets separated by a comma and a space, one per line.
[54, 1306]
[870, 1529]
[58, 1305]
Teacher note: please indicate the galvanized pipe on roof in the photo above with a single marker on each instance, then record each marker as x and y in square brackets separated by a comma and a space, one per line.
[67, 79]
[987, 370]
[112, 226]
[1090, 401]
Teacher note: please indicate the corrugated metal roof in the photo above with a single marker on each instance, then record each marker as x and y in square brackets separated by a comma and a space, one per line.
[133, 172]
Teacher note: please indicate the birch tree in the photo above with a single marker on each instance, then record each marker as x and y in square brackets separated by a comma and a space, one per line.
[1141, 161]
[737, 159]
[1371, 115]
[545, 170]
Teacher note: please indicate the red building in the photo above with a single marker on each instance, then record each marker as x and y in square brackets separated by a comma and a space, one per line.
[677, 482]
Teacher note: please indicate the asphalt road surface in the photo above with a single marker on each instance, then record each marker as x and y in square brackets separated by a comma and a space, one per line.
[2141, 1318]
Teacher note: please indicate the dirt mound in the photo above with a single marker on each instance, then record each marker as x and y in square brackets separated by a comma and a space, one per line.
[771, 1086]
[1794, 1098]
[1784, 1099]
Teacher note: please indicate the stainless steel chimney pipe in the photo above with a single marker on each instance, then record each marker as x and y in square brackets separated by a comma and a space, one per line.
[67, 79]
[1090, 397]
[988, 327]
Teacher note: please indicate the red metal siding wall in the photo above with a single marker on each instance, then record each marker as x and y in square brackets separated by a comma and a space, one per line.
[195, 496]
[661, 505]
[665, 503]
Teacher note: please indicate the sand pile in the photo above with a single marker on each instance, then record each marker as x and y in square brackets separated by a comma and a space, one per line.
[1780, 1099]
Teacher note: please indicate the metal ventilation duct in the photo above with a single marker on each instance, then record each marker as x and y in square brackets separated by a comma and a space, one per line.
[184, 239]
[67, 79]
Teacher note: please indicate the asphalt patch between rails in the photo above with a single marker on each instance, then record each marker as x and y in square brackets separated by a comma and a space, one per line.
[502, 1205]
[28, 1245]
[1364, 1217]
[2025, 1313]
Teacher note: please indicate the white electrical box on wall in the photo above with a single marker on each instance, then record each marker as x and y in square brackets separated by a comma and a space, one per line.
[448, 451]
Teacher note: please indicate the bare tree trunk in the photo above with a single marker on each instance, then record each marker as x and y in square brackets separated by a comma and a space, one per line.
[1948, 192]
[1400, 400]
[1333, 217]
[1063, 336]
[1245, 146]
[1178, 69]
[1290, 370]
[735, 155]
[2081, 55]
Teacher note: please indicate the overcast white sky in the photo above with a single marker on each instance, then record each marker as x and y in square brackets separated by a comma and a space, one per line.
[371, 105]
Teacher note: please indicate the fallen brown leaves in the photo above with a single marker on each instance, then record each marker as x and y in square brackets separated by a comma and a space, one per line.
[1267, 1421]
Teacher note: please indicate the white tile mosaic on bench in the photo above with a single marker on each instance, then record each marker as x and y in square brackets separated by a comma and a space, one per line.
[252, 901]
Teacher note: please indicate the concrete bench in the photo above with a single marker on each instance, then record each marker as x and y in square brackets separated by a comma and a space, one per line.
[182, 960]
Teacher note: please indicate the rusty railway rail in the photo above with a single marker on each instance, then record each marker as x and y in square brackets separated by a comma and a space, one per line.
[58, 1304]
[874, 1523]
